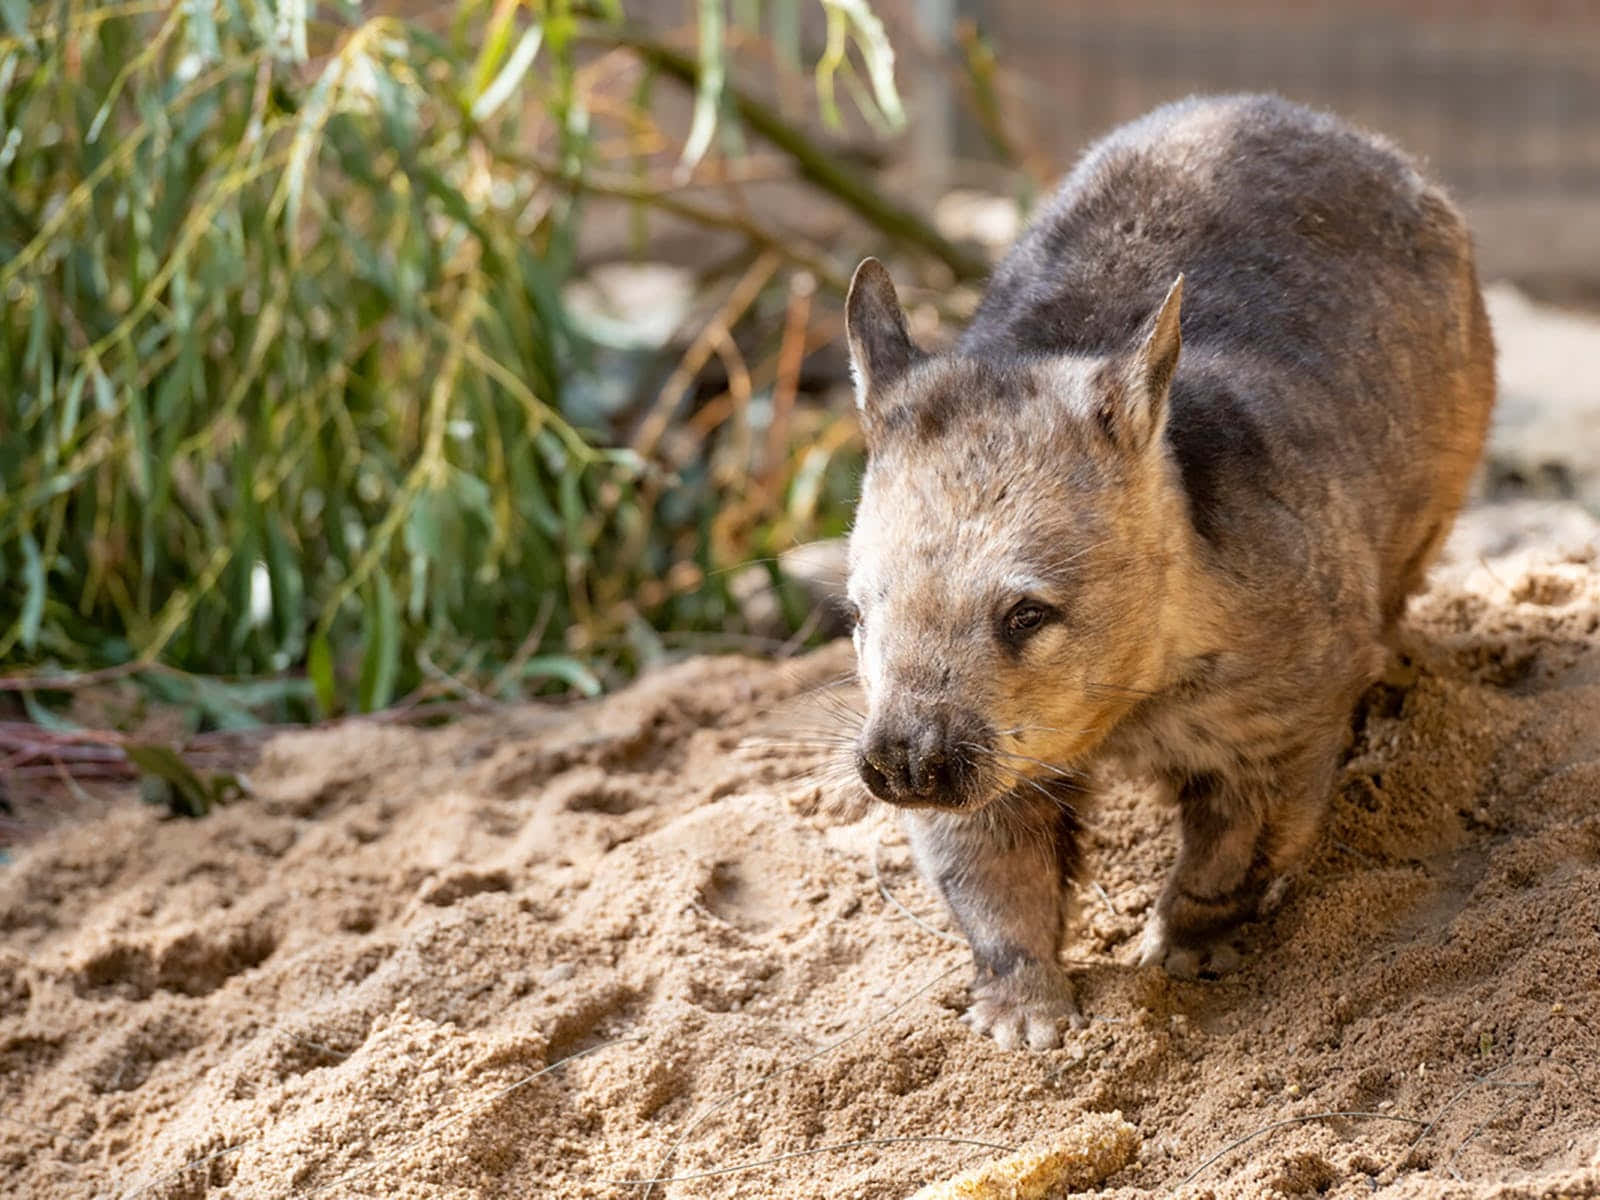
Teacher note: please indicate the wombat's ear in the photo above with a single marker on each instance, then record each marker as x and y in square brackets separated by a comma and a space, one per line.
[880, 348]
[1136, 412]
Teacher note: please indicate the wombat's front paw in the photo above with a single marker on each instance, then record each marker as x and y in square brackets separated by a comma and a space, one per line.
[1158, 948]
[1028, 1006]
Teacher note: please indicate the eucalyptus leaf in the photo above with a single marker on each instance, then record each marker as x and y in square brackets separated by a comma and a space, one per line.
[568, 670]
[380, 660]
[319, 667]
[33, 580]
[189, 796]
[708, 95]
[42, 716]
[501, 87]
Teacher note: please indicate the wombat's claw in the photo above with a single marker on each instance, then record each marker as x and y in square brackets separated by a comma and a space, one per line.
[1027, 1007]
[1272, 898]
[1157, 949]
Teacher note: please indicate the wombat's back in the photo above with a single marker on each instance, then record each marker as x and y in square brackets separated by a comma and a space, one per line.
[1332, 324]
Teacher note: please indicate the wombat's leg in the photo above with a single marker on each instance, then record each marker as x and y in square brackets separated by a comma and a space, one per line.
[1211, 885]
[1296, 818]
[1237, 837]
[1005, 875]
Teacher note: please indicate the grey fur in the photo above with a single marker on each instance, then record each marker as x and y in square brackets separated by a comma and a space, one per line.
[1068, 551]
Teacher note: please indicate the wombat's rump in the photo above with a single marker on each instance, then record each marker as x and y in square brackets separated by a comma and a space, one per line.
[1165, 501]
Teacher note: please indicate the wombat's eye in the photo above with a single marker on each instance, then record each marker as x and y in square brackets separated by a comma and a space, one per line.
[1025, 616]
[852, 614]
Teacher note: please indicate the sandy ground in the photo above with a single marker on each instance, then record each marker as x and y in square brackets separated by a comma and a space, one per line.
[361, 982]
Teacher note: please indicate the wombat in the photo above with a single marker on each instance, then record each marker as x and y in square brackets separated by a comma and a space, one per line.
[1163, 503]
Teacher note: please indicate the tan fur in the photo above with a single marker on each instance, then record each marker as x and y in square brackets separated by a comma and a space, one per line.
[1171, 523]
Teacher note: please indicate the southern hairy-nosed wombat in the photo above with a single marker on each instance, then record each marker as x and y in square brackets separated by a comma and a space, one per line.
[1077, 541]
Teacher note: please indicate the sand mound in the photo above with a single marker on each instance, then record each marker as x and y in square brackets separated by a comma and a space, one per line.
[529, 954]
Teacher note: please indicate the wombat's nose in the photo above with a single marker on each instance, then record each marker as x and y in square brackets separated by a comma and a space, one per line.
[927, 770]
[903, 768]
[875, 777]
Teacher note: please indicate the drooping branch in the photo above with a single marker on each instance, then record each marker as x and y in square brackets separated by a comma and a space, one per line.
[794, 250]
[812, 160]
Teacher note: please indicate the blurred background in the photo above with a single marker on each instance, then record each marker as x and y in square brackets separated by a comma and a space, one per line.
[1500, 100]
[411, 357]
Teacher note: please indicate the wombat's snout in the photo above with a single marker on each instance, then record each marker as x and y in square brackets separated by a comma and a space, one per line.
[922, 760]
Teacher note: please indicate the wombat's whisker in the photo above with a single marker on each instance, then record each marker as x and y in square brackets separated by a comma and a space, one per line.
[1046, 729]
[1065, 772]
[782, 750]
[834, 771]
[1055, 568]
[1117, 687]
[827, 691]
[836, 764]
[1017, 777]
[832, 682]
[741, 565]
[806, 694]
[849, 722]
[817, 718]
[834, 716]
[833, 789]
[832, 706]
[1052, 794]
[799, 738]
[827, 686]
[1018, 730]
[796, 729]
[833, 766]
[833, 699]
[1055, 768]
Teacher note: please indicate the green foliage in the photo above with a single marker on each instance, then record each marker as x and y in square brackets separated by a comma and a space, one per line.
[284, 359]
[169, 781]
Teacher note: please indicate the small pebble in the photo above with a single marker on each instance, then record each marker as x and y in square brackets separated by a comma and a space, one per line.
[559, 973]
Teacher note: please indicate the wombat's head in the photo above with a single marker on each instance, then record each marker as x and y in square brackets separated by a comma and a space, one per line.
[1010, 553]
